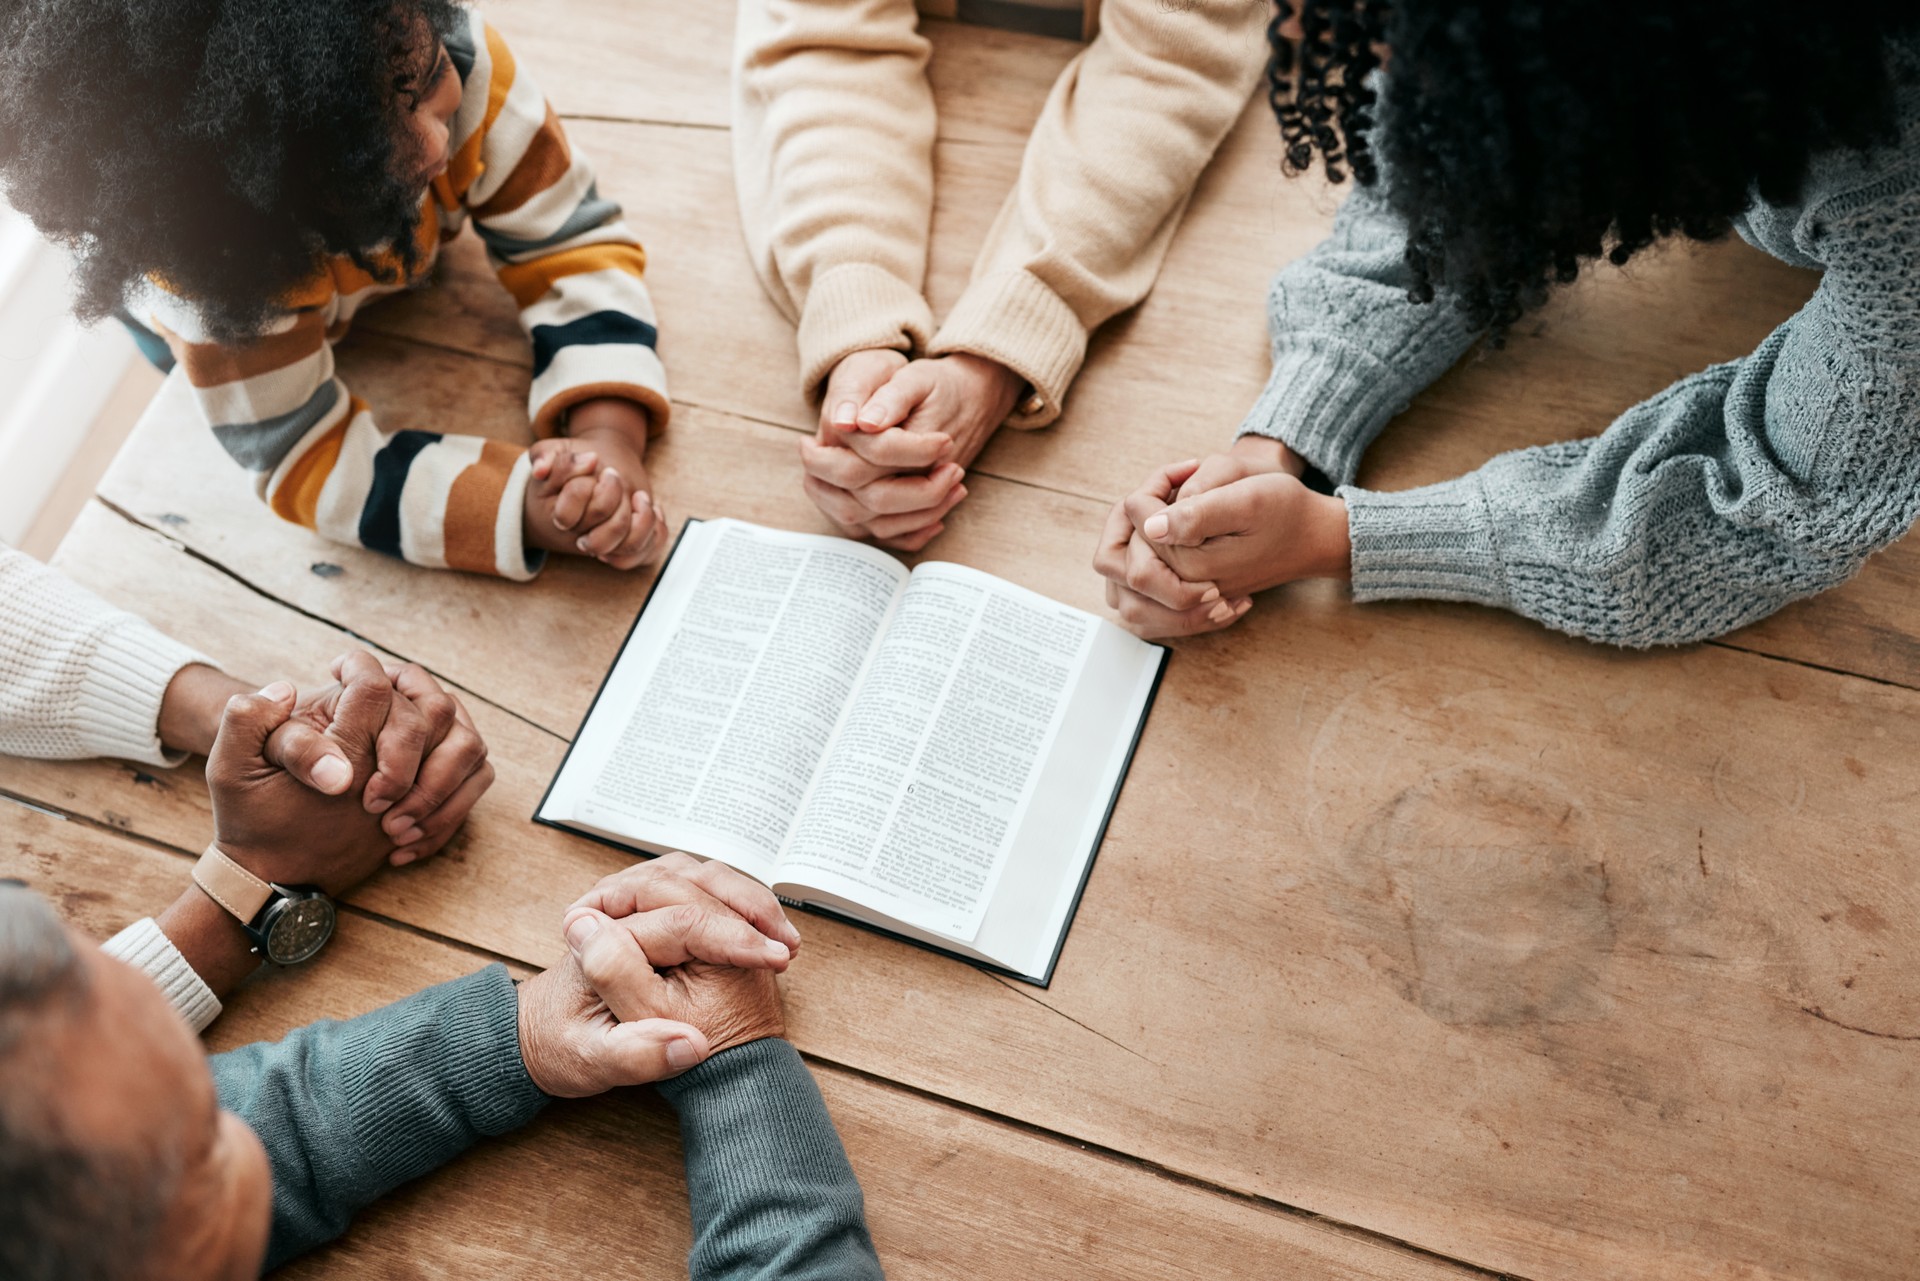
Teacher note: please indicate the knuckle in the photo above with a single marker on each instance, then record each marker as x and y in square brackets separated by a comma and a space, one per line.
[684, 918]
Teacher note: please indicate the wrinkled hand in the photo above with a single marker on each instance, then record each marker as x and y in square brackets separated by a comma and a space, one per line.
[431, 764]
[891, 453]
[680, 976]
[724, 916]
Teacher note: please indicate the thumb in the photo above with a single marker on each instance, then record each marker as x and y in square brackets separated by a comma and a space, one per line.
[310, 756]
[851, 382]
[1192, 521]
[615, 966]
[249, 720]
[891, 404]
[650, 1050]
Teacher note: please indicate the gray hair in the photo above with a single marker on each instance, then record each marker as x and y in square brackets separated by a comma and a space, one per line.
[67, 1210]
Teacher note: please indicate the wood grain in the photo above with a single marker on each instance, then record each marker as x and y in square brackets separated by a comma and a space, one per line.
[1540, 911]
[1556, 960]
[653, 61]
[950, 1194]
[1173, 377]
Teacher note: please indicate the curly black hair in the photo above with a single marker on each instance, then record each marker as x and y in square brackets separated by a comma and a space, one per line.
[224, 147]
[1526, 137]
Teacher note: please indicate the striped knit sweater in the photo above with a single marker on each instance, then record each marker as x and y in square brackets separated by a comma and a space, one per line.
[318, 456]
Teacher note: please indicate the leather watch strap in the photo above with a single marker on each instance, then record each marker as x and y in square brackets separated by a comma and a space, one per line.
[230, 885]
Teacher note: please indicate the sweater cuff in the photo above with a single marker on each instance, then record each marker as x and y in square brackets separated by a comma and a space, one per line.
[452, 1048]
[1014, 319]
[512, 558]
[1326, 401]
[854, 307]
[1432, 543]
[760, 1067]
[146, 948]
[116, 711]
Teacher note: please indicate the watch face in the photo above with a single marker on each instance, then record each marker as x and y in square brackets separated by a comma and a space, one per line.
[299, 929]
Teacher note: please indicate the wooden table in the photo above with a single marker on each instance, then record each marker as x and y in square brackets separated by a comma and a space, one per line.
[1424, 943]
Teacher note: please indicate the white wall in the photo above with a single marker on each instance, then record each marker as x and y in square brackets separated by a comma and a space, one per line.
[54, 375]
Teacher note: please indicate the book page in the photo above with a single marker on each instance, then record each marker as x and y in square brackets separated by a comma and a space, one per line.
[940, 750]
[716, 716]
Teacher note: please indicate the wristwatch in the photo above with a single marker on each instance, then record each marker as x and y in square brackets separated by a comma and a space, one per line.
[287, 923]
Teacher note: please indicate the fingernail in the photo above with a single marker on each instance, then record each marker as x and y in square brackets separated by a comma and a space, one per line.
[402, 857]
[581, 543]
[405, 834]
[777, 950]
[1220, 613]
[277, 692]
[1156, 526]
[583, 927]
[843, 413]
[1211, 595]
[332, 774]
[1245, 604]
[681, 1055]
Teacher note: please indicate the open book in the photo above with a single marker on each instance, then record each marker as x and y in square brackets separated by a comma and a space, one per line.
[933, 753]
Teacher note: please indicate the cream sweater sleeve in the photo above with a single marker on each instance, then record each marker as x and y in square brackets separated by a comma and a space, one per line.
[78, 677]
[1116, 153]
[833, 163]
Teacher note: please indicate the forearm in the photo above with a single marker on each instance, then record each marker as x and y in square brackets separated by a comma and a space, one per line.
[190, 710]
[1710, 506]
[349, 1111]
[1123, 138]
[771, 1191]
[833, 163]
[78, 677]
[210, 939]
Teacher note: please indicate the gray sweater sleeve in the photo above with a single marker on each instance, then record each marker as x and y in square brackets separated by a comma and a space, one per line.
[349, 1111]
[772, 1194]
[1733, 492]
[1349, 349]
[1711, 505]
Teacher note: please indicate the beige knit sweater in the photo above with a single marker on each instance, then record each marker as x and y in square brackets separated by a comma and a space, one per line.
[833, 158]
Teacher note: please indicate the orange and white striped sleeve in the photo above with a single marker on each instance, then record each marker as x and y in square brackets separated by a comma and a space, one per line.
[557, 244]
[319, 459]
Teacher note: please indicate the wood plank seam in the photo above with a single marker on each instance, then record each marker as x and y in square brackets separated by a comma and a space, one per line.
[486, 956]
[1818, 667]
[308, 614]
[1174, 1175]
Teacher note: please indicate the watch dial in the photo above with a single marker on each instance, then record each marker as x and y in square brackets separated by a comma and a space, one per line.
[300, 931]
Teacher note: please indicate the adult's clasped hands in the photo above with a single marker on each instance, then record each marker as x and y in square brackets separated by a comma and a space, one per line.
[669, 963]
[1184, 553]
[896, 437]
[322, 786]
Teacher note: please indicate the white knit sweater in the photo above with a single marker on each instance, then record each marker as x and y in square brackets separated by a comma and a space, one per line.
[80, 678]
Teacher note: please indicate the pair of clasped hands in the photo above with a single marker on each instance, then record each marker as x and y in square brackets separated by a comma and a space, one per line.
[668, 962]
[1182, 555]
[1185, 552]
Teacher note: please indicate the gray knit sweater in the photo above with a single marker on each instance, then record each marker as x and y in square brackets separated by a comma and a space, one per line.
[1732, 492]
[350, 1111]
